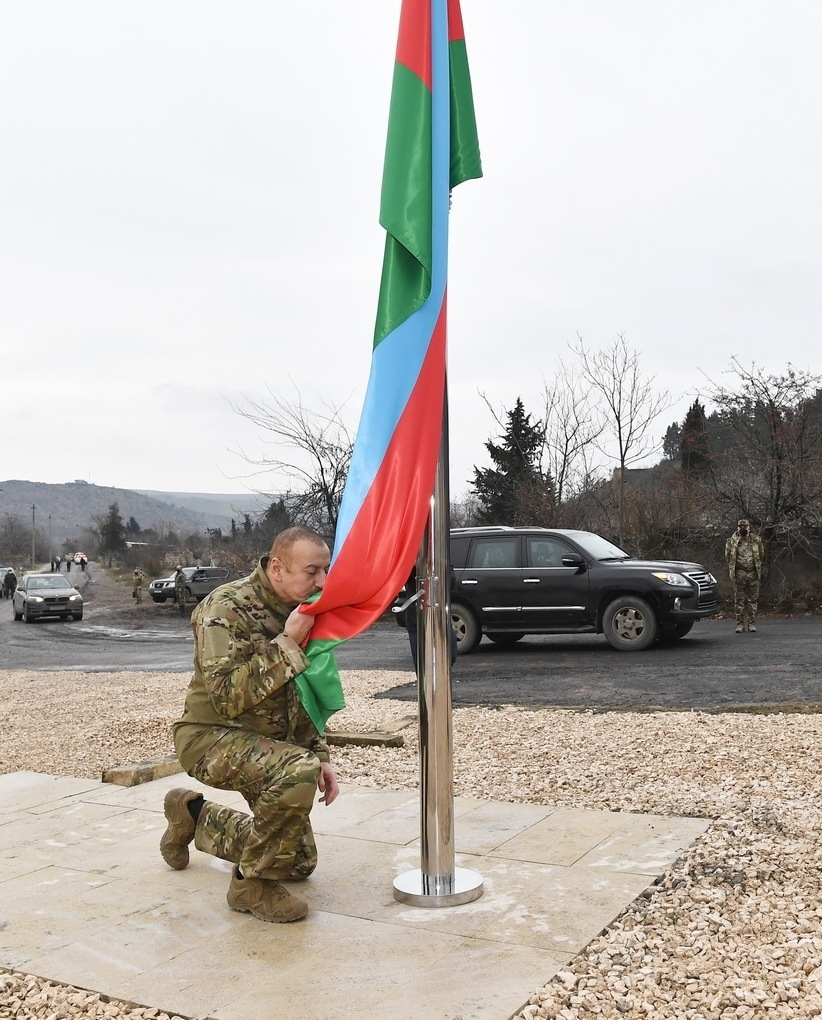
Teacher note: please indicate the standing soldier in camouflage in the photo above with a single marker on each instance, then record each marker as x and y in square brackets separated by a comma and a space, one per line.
[244, 728]
[180, 589]
[137, 590]
[744, 553]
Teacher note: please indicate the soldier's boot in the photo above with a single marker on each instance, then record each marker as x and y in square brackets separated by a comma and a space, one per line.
[739, 628]
[752, 628]
[264, 899]
[181, 825]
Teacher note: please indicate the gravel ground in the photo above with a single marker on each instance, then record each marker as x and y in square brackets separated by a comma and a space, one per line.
[734, 929]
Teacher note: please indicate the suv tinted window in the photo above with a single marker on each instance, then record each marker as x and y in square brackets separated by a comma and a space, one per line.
[459, 550]
[493, 552]
[545, 552]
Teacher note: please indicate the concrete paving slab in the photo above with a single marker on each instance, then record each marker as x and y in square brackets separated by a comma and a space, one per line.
[86, 899]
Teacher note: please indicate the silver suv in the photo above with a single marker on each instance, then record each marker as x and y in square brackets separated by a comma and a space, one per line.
[200, 581]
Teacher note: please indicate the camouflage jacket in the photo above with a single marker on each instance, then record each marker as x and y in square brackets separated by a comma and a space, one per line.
[179, 583]
[732, 552]
[243, 668]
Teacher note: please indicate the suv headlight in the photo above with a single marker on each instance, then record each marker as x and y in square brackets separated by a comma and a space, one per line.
[75, 598]
[675, 579]
[35, 598]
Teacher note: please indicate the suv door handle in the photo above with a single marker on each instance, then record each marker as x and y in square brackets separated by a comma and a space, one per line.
[530, 580]
[469, 582]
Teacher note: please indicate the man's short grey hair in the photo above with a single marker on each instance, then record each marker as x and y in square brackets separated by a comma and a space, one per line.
[286, 540]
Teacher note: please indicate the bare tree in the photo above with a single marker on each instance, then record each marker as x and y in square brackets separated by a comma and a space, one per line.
[572, 424]
[773, 472]
[320, 448]
[629, 406]
[15, 537]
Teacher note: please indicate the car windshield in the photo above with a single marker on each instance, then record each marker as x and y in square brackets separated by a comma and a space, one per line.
[47, 582]
[599, 548]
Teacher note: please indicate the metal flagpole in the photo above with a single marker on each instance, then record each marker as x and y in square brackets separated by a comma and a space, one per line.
[437, 882]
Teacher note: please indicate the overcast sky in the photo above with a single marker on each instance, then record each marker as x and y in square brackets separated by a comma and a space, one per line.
[189, 194]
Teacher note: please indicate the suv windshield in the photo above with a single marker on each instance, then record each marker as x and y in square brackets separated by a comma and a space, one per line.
[48, 582]
[599, 548]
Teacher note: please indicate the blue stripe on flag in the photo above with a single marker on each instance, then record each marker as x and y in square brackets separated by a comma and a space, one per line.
[398, 358]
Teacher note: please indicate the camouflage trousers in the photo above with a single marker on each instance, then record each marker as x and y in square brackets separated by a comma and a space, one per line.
[138, 594]
[746, 596]
[278, 781]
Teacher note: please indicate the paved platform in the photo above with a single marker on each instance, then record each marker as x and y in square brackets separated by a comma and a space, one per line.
[86, 899]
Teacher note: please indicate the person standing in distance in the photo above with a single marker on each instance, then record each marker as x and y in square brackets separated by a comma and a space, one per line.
[244, 728]
[744, 554]
[180, 589]
[137, 590]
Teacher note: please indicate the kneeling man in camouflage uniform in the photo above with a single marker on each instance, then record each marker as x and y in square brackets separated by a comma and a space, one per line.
[744, 554]
[243, 728]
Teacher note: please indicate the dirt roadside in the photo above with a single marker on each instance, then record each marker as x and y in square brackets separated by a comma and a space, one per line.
[107, 597]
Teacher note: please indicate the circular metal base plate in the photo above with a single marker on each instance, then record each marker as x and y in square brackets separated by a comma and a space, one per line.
[466, 886]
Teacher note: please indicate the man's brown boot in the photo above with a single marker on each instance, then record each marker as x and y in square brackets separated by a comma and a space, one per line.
[264, 899]
[181, 826]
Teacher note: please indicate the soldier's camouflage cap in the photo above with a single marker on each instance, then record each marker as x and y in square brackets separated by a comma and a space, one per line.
[743, 521]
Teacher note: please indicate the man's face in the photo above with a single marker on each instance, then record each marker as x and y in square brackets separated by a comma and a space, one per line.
[301, 574]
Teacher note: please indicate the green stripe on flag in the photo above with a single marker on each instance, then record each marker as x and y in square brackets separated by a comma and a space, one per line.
[465, 154]
[405, 208]
[319, 687]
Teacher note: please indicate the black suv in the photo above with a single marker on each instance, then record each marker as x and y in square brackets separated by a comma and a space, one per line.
[509, 582]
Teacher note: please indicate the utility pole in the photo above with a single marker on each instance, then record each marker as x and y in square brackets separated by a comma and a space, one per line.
[33, 508]
[51, 556]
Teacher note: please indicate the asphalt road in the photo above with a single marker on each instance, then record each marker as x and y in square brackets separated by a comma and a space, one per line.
[711, 668]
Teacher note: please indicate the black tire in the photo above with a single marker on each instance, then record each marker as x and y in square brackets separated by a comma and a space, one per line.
[501, 638]
[629, 624]
[467, 629]
[187, 594]
[27, 617]
[77, 616]
[17, 616]
[675, 631]
[158, 598]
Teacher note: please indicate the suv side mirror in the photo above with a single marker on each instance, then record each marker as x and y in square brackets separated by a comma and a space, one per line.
[573, 560]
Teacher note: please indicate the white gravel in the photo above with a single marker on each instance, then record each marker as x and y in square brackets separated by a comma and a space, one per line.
[734, 929]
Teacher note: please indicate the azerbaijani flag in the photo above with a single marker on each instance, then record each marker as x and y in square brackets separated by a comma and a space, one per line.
[432, 146]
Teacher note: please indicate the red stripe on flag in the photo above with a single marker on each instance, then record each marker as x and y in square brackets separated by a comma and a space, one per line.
[414, 39]
[455, 29]
[389, 527]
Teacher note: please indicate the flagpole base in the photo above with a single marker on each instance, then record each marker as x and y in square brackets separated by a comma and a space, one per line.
[463, 887]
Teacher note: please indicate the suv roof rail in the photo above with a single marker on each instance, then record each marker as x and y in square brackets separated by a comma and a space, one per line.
[482, 527]
[499, 527]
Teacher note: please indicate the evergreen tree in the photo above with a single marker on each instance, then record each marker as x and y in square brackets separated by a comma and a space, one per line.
[112, 532]
[672, 442]
[695, 447]
[514, 491]
[132, 527]
[275, 519]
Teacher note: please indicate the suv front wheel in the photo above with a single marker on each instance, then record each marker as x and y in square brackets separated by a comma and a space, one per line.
[629, 624]
[467, 629]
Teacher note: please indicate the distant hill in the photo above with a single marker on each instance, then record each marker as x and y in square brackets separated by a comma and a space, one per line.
[73, 505]
[213, 503]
